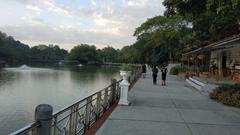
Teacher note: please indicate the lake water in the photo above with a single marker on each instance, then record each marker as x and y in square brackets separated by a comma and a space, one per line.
[22, 89]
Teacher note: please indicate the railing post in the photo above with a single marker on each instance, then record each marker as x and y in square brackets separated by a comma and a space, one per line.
[87, 113]
[43, 114]
[98, 104]
[105, 99]
[113, 91]
[72, 121]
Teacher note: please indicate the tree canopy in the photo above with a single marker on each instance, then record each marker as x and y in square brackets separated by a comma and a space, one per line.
[47, 53]
[83, 53]
[12, 50]
[185, 25]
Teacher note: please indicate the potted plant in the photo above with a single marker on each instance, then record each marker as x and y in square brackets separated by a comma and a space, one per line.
[125, 71]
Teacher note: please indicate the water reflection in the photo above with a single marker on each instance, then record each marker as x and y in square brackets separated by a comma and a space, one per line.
[22, 90]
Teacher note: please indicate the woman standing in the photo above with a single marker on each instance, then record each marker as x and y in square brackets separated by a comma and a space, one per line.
[164, 74]
[154, 74]
[144, 69]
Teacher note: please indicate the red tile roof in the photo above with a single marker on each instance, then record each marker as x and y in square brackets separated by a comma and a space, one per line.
[224, 41]
[218, 43]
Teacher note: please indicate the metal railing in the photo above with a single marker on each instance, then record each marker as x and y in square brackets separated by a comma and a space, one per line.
[77, 118]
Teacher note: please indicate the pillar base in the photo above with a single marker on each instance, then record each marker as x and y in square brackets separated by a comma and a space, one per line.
[122, 102]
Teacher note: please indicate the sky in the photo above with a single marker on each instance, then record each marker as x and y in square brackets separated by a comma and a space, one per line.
[68, 23]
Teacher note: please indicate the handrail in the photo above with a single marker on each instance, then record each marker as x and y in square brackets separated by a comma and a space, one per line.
[27, 129]
[78, 117]
[67, 107]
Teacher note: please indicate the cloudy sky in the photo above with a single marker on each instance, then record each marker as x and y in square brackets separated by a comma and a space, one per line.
[71, 22]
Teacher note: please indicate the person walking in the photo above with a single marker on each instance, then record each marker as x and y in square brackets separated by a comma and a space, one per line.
[164, 75]
[144, 70]
[154, 74]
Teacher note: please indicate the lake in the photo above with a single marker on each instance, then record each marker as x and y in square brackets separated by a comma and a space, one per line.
[22, 89]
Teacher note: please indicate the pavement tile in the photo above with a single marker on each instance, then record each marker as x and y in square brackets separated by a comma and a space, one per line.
[146, 113]
[199, 129]
[123, 127]
[210, 116]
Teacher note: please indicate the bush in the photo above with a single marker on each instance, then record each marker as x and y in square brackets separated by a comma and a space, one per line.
[175, 70]
[227, 94]
[126, 67]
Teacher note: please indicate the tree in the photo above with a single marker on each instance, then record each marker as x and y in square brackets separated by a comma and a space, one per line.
[129, 54]
[47, 53]
[211, 19]
[12, 50]
[109, 54]
[83, 53]
[162, 35]
[225, 16]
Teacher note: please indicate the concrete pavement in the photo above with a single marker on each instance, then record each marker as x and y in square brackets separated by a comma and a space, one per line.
[175, 109]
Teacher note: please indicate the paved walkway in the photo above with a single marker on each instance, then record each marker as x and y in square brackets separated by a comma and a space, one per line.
[175, 109]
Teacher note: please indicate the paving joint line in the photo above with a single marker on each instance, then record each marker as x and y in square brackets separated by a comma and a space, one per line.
[177, 122]
[175, 105]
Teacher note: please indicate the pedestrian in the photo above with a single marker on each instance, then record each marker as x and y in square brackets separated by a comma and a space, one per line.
[144, 69]
[198, 66]
[164, 75]
[154, 74]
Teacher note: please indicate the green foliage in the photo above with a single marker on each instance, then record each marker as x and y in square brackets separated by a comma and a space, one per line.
[229, 87]
[129, 54]
[14, 51]
[46, 53]
[211, 19]
[83, 53]
[161, 38]
[109, 54]
[227, 94]
[126, 67]
[177, 69]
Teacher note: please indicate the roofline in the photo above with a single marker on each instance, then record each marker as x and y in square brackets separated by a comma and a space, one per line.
[216, 44]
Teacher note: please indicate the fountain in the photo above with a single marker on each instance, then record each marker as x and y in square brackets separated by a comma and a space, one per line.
[24, 66]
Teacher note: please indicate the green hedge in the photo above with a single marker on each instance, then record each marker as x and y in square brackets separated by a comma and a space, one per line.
[227, 94]
[176, 70]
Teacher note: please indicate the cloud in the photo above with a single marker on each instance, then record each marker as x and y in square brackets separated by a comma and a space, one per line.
[23, 1]
[53, 6]
[34, 8]
[100, 20]
[93, 2]
[33, 20]
[70, 36]
[73, 22]
[138, 3]
[84, 12]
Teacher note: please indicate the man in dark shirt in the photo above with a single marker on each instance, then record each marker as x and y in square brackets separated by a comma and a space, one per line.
[154, 74]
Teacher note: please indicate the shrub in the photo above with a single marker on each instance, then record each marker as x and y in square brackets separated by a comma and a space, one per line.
[126, 67]
[227, 94]
[175, 70]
